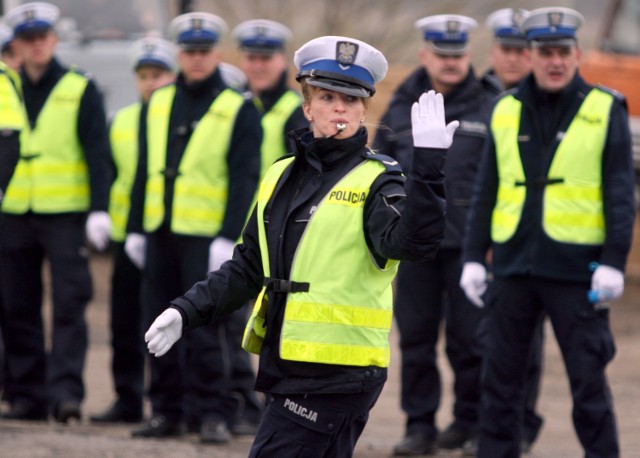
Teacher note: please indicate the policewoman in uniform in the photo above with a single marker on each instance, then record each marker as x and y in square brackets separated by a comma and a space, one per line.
[196, 178]
[320, 251]
[262, 58]
[153, 63]
[56, 197]
[428, 292]
[554, 201]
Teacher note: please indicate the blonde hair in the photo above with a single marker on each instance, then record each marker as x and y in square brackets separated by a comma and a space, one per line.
[307, 93]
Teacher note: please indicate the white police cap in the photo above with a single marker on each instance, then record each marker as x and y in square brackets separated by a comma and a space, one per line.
[155, 52]
[447, 33]
[233, 76]
[552, 26]
[262, 36]
[33, 17]
[197, 30]
[6, 36]
[506, 25]
[341, 64]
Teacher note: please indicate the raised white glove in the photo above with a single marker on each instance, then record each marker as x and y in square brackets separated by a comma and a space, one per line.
[608, 282]
[220, 251]
[428, 122]
[135, 245]
[473, 282]
[98, 229]
[164, 332]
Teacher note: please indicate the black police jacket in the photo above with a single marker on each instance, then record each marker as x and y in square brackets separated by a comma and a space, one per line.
[469, 103]
[545, 117]
[404, 219]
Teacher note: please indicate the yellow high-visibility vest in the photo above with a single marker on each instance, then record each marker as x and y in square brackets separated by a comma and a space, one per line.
[124, 149]
[201, 182]
[345, 315]
[572, 208]
[52, 174]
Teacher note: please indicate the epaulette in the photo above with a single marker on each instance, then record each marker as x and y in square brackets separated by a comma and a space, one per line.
[618, 95]
[284, 156]
[389, 163]
[81, 72]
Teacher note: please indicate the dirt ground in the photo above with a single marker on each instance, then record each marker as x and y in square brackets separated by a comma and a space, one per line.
[557, 440]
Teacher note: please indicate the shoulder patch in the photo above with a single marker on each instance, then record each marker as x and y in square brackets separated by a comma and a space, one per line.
[389, 163]
[618, 95]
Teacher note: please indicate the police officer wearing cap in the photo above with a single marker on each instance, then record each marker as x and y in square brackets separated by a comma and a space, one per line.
[428, 292]
[154, 65]
[509, 54]
[554, 202]
[56, 197]
[262, 58]
[320, 251]
[196, 178]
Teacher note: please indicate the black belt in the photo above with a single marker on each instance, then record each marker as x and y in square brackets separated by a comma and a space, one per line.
[536, 182]
[285, 286]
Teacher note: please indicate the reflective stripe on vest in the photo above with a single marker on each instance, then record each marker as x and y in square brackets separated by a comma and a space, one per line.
[273, 122]
[124, 148]
[572, 209]
[345, 316]
[52, 174]
[200, 192]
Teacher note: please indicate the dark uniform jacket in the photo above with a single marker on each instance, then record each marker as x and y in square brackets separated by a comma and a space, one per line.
[469, 103]
[402, 220]
[92, 127]
[545, 117]
[190, 103]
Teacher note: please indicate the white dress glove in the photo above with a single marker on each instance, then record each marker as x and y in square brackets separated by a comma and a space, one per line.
[220, 251]
[473, 282]
[98, 229]
[428, 122]
[164, 332]
[135, 245]
[608, 282]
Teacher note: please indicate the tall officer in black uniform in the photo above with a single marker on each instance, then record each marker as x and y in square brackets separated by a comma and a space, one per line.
[428, 291]
[554, 201]
[57, 195]
[197, 177]
[320, 253]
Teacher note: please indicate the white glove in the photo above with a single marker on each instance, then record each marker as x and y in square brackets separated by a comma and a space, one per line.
[98, 229]
[164, 332]
[473, 282]
[135, 245]
[428, 122]
[608, 281]
[220, 251]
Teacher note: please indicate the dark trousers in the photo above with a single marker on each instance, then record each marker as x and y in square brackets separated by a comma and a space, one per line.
[585, 340]
[313, 425]
[33, 377]
[197, 370]
[127, 334]
[427, 292]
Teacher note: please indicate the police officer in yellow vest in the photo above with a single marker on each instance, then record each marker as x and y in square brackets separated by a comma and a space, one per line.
[320, 251]
[262, 58]
[154, 65]
[196, 178]
[554, 201]
[57, 196]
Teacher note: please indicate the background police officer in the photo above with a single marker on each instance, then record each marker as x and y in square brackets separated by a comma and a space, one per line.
[197, 176]
[7, 51]
[554, 201]
[427, 292]
[262, 58]
[59, 179]
[153, 62]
